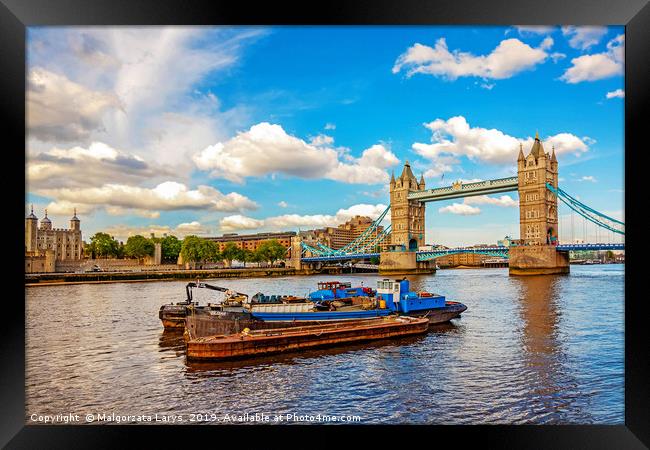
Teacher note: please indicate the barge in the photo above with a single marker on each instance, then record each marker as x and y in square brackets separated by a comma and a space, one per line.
[250, 343]
[341, 303]
[237, 311]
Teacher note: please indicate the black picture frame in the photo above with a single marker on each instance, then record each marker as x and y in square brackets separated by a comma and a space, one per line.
[16, 15]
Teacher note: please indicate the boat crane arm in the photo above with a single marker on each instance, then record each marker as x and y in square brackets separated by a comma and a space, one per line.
[199, 284]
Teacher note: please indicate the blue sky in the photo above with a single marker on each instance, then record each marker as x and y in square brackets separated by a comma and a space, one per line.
[195, 130]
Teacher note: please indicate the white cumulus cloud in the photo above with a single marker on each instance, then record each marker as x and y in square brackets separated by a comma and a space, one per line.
[584, 37]
[59, 109]
[167, 196]
[504, 201]
[239, 222]
[292, 221]
[462, 209]
[510, 57]
[455, 137]
[267, 149]
[599, 65]
[618, 93]
[93, 165]
[534, 29]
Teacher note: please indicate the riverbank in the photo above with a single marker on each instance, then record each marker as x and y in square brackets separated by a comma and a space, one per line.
[48, 279]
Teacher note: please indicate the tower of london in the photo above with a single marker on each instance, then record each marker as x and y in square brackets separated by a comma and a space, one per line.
[61, 243]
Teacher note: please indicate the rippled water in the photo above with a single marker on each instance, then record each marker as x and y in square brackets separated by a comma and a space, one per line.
[546, 349]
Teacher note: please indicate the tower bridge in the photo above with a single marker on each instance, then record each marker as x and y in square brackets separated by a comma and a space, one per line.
[538, 250]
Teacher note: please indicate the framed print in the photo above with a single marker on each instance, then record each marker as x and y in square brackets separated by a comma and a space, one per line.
[406, 218]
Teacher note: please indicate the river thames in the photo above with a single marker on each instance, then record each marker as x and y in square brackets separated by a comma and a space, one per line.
[528, 350]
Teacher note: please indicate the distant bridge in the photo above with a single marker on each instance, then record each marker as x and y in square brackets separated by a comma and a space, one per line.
[496, 251]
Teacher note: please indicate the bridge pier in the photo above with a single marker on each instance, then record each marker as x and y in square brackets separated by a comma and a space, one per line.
[403, 263]
[537, 260]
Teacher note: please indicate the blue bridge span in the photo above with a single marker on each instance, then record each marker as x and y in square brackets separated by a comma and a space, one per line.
[497, 251]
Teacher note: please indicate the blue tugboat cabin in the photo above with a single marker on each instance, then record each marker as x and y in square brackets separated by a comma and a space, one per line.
[399, 298]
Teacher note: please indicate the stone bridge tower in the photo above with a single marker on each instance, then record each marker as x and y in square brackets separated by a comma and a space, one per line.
[538, 219]
[407, 216]
[407, 233]
[537, 205]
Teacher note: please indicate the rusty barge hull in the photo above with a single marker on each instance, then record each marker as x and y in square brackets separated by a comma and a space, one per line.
[173, 316]
[264, 342]
[204, 325]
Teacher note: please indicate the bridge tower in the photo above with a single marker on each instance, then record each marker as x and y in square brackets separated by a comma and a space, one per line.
[407, 222]
[407, 216]
[538, 220]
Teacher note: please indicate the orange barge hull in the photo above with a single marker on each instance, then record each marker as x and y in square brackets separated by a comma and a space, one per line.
[263, 342]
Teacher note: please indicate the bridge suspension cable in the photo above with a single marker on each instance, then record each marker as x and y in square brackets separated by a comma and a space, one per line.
[600, 219]
[367, 240]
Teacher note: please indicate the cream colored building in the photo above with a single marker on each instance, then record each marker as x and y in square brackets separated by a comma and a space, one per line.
[65, 243]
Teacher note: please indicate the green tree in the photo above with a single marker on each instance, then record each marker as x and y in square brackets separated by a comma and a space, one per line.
[191, 249]
[138, 247]
[209, 251]
[374, 260]
[248, 256]
[171, 248]
[609, 255]
[103, 245]
[89, 251]
[231, 252]
[271, 251]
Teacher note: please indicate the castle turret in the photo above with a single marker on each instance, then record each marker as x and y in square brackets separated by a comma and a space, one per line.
[31, 224]
[46, 223]
[407, 178]
[537, 150]
[75, 223]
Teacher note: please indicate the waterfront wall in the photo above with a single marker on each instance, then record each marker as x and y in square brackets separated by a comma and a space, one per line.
[41, 264]
[46, 278]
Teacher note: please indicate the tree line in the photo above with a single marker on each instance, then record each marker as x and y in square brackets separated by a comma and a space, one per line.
[197, 250]
[192, 249]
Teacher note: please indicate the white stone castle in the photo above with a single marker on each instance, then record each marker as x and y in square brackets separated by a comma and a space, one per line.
[62, 243]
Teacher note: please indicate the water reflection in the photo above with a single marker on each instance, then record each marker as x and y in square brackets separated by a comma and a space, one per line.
[527, 350]
[542, 352]
[172, 340]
